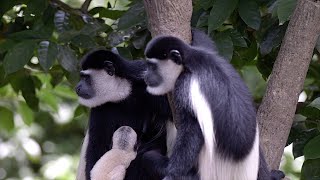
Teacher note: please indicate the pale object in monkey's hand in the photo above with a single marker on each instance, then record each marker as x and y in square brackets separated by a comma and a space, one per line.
[113, 164]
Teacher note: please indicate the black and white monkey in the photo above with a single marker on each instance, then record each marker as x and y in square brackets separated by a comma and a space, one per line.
[217, 132]
[115, 91]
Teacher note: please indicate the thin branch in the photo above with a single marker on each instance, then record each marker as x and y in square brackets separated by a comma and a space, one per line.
[65, 7]
[85, 6]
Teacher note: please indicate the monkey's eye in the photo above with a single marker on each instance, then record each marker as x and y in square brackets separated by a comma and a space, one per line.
[151, 66]
[83, 75]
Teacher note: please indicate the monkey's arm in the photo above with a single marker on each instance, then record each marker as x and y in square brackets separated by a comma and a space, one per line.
[187, 146]
[118, 173]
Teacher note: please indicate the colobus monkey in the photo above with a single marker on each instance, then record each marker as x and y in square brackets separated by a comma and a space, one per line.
[217, 132]
[115, 91]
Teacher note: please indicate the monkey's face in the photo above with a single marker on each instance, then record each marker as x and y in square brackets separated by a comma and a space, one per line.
[161, 75]
[165, 63]
[98, 86]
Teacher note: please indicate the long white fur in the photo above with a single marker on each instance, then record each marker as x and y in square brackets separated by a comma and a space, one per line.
[211, 164]
[204, 116]
[169, 71]
[81, 173]
[107, 88]
[247, 169]
[171, 137]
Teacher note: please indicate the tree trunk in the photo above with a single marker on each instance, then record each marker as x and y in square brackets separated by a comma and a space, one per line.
[278, 106]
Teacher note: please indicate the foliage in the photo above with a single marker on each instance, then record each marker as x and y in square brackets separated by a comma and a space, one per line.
[41, 42]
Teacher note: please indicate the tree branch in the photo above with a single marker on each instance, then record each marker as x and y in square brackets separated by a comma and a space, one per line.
[65, 7]
[278, 106]
[85, 6]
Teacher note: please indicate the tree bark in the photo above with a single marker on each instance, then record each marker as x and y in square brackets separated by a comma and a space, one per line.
[167, 17]
[278, 106]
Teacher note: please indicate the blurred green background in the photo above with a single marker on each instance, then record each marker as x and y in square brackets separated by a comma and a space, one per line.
[42, 41]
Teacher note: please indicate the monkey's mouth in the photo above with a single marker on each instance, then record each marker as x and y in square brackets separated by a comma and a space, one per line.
[82, 94]
[152, 80]
[151, 83]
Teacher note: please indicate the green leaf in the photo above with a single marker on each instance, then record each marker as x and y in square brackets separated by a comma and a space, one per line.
[6, 44]
[67, 58]
[220, 11]
[134, 16]
[26, 113]
[21, 81]
[72, 77]
[65, 92]
[93, 28]
[249, 13]
[254, 81]
[79, 111]
[237, 38]
[112, 14]
[272, 38]
[35, 8]
[285, 9]
[311, 149]
[312, 110]
[310, 169]
[83, 41]
[315, 103]
[2, 76]
[140, 41]
[48, 98]
[61, 21]
[7, 5]
[6, 122]
[124, 52]
[47, 53]
[30, 34]
[19, 56]
[203, 20]
[224, 44]
[302, 137]
[29, 93]
[57, 75]
[317, 45]
[206, 4]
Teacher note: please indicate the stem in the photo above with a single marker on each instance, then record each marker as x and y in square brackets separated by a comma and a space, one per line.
[85, 6]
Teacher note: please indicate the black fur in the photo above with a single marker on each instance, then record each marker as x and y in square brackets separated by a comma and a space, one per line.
[229, 99]
[144, 113]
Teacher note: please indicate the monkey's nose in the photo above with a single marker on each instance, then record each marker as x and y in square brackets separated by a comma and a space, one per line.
[78, 89]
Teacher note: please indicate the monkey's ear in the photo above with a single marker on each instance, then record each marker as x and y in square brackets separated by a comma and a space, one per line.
[109, 67]
[175, 56]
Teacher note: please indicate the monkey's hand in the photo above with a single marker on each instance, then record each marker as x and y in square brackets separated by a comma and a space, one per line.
[155, 163]
[187, 177]
[277, 175]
